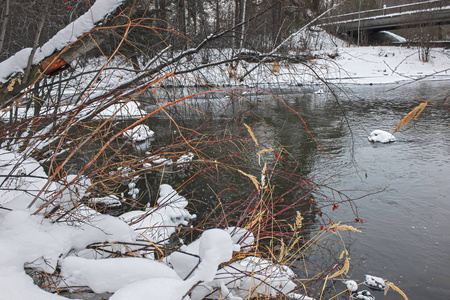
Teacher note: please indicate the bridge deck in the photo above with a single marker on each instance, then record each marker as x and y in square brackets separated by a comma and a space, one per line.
[435, 12]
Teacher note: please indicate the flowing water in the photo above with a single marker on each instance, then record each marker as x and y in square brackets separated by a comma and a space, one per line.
[406, 229]
[406, 211]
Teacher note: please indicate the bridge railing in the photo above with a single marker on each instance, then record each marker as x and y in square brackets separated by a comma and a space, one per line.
[432, 4]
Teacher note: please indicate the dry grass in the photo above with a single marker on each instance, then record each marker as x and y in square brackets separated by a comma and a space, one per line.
[415, 113]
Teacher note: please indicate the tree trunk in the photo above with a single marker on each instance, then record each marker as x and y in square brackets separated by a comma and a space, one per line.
[35, 44]
[181, 17]
[4, 25]
[217, 21]
[238, 12]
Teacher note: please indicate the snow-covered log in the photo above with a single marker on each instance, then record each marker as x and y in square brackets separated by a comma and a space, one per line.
[71, 42]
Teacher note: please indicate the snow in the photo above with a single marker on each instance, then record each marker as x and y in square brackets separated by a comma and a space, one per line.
[242, 236]
[380, 136]
[123, 111]
[215, 247]
[334, 64]
[21, 179]
[158, 223]
[139, 133]
[352, 286]
[267, 279]
[63, 38]
[110, 275]
[110, 201]
[184, 159]
[363, 295]
[375, 282]
[32, 241]
[396, 37]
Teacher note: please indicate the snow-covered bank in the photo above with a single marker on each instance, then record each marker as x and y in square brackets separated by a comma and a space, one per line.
[360, 65]
[334, 64]
[58, 242]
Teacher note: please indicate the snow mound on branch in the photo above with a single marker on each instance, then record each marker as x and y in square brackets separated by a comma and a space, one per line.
[21, 179]
[242, 236]
[215, 247]
[186, 259]
[98, 11]
[110, 275]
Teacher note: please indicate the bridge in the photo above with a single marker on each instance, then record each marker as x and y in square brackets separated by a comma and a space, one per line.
[363, 26]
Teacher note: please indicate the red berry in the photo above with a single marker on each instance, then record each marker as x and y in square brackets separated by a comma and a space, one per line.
[321, 227]
[68, 6]
[361, 220]
[335, 206]
[276, 154]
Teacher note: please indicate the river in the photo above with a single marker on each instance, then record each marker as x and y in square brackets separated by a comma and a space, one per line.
[406, 211]
[405, 235]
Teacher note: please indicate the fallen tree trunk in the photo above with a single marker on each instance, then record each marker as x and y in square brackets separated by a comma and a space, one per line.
[57, 54]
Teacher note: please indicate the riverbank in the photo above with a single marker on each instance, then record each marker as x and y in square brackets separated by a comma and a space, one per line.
[334, 63]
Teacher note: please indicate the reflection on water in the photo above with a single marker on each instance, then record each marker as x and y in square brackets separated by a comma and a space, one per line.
[405, 231]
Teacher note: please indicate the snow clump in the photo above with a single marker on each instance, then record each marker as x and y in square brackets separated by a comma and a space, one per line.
[380, 136]
[374, 282]
[158, 223]
[139, 133]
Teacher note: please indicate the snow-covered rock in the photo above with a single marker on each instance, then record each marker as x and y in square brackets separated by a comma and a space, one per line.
[380, 136]
[374, 282]
[185, 158]
[139, 133]
[363, 295]
[36, 242]
[352, 286]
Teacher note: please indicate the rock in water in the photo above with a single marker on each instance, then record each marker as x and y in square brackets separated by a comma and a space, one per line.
[351, 285]
[380, 136]
[363, 295]
[376, 283]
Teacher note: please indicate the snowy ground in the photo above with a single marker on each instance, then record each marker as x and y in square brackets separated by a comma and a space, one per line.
[337, 65]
